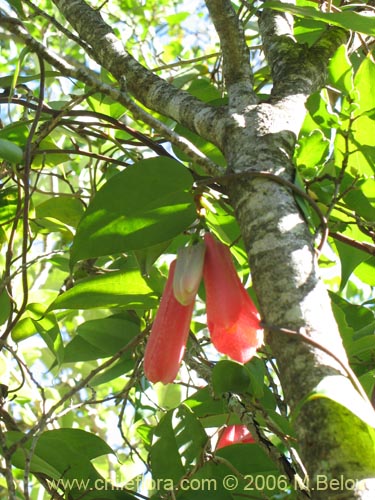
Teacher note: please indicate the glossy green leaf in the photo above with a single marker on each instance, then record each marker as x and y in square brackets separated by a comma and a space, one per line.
[362, 152]
[104, 104]
[206, 147]
[259, 474]
[53, 157]
[312, 149]
[65, 209]
[122, 367]
[75, 450]
[117, 288]
[340, 389]
[36, 320]
[16, 132]
[366, 271]
[8, 205]
[362, 199]
[321, 113]
[10, 151]
[257, 372]
[350, 258]
[38, 464]
[204, 90]
[6, 81]
[357, 328]
[341, 70]
[363, 80]
[357, 316]
[177, 444]
[142, 206]
[349, 20]
[146, 257]
[100, 338]
[206, 407]
[229, 376]
[5, 307]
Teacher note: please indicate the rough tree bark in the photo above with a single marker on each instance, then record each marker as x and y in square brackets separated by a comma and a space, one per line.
[259, 136]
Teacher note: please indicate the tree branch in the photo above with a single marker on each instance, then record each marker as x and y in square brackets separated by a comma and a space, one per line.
[296, 68]
[237, 71]
[148, 88]
[92, 80]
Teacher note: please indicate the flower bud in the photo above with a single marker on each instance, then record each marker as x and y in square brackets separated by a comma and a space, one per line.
[233, 320]
[188, 273]
[167, 341]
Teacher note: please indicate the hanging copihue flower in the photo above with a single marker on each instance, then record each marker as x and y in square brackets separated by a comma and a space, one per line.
[233, 319]
[169, 333]
[234, 434]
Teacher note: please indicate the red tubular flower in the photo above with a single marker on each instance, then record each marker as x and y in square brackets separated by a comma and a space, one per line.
[167, 341]
[234, 434]
[233, 319]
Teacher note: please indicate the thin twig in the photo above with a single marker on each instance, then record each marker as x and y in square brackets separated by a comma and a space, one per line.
[308, 340]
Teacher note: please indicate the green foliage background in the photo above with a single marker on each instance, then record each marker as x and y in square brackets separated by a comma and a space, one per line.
[86, 238]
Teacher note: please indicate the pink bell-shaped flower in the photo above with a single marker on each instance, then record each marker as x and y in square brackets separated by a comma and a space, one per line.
[234, 434]
[169, 333]
[233, 319]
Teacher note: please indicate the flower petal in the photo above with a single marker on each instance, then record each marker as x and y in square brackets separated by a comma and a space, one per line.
[233, 320]
[234, 434]
[167, 341]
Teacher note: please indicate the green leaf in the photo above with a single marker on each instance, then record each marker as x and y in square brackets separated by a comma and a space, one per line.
[8, 205]
[320, 111]
[177, 444]
[38, 464]
[169, 396]
[352, 21]
[350, 258]
[363, 81]
[6, 81]
[362, 199]
[341, 70]
[260, 476]
[147, 256]
[16, 132]
[65, 209]
[100, 338]
[117, 288]
[357, 316]
[148, 203]
[50, 159]
[339, 389]
[366, 271]
[36, 320]
[257, 373]
[206, 147]
[312, 149]
[10, 151]
[75, 450]
[206, 408]
[203, 89]
[5, 307]
[123, 366]
[230, 376]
